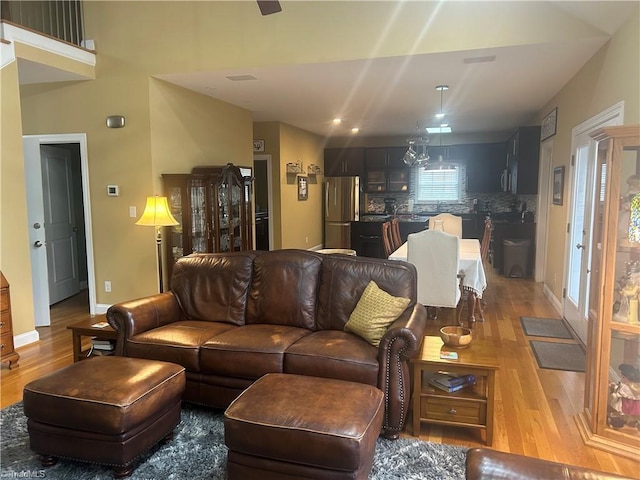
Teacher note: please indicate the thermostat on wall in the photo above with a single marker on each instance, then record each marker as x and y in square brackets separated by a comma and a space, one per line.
[113, 190]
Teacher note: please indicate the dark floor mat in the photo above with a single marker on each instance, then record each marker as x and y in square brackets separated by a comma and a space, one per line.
[545, 327]
[559, 356]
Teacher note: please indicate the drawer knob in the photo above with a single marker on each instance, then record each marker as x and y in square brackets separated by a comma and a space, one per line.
[453, 411]
[1, 346]
[1, 324]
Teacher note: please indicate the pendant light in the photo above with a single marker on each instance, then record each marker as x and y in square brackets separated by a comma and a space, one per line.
[439, 163]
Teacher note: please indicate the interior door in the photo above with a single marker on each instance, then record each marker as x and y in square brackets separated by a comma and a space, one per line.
[60, 228]
[579, 234]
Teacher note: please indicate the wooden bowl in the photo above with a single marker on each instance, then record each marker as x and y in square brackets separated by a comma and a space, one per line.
[456, 337]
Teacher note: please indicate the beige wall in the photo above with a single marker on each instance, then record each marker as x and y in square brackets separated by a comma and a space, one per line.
[296, 224]
[610, 76]
[15, 261]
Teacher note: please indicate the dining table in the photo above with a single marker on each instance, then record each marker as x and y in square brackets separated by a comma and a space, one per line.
[474, 280]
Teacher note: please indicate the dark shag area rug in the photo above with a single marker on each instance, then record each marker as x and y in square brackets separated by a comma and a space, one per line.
[197, 451]
[545, 327]
[559, 356]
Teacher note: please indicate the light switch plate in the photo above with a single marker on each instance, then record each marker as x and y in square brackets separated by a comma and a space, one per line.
[132, 212]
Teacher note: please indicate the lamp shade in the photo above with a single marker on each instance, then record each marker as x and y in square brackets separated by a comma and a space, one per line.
[156, 213]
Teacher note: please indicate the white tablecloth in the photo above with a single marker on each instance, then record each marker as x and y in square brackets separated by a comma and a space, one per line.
[470, 263]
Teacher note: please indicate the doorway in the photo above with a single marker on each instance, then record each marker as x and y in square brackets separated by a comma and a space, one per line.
[60, 162]
[582, 188]
[263, 196]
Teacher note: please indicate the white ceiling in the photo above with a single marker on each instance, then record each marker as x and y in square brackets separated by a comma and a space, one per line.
[394, 95]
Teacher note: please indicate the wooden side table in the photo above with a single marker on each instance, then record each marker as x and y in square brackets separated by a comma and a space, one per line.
[86, 329]
[470, 407]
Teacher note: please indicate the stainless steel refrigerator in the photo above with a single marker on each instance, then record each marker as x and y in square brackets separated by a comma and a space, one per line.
[341, 206]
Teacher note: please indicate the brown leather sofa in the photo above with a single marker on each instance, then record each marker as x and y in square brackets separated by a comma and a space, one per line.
[231, 318]
[487, 464]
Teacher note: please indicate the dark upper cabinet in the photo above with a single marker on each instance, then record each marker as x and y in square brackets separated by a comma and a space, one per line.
[523, 152]
[386, 170]
[344, 162]
[485, 164]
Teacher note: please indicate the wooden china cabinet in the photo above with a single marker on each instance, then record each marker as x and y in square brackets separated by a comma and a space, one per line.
[611, 417]
[214, 212]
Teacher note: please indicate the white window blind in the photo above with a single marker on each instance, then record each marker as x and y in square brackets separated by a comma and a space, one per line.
[434, 186]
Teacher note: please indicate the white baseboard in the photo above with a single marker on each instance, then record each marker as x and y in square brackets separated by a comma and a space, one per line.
[26, 338]
[557, 304]
[101, 308]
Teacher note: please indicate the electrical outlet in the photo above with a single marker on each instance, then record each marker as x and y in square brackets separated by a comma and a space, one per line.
[306, 239]
[107, 286]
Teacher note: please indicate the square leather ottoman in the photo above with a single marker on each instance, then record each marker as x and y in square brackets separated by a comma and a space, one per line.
[294, 426]
[105, 410]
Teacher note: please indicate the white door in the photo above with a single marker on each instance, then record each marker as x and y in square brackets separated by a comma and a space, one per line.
[580, 218]
[579, 234]
[60, 227]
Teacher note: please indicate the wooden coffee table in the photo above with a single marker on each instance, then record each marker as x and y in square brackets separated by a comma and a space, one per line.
[86, 329]
[470, 407]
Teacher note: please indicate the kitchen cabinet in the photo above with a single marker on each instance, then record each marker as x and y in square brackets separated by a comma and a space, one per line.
[366, 239]
[213, 208]
[386, 171]
[522, 160]
[485, 163]
[344, 162]
[453, 153]
[612, 378]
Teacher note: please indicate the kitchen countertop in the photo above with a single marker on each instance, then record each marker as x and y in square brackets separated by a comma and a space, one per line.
[497, 217]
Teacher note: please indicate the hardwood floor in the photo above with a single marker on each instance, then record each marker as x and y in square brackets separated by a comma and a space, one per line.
[535, 408]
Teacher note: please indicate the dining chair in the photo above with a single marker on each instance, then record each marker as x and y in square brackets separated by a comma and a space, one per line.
[484, 253]
[396, 239]
[436, 255]
[451, 223]
[386, 239]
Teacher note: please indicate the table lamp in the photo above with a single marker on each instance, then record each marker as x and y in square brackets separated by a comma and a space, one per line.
[157, 214]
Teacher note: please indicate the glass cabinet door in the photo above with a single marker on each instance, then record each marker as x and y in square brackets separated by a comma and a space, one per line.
[611, 420]
[199, 230]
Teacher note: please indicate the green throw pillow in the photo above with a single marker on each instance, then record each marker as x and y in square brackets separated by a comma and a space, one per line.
[375, 311]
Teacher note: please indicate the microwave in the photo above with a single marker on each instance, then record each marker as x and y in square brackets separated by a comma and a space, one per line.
[505, 180]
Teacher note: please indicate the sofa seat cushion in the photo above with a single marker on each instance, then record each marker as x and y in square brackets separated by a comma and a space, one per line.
[177, 342]
[333, 354]
[249, 351]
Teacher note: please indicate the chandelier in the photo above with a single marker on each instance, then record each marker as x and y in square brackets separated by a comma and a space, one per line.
[413, 158]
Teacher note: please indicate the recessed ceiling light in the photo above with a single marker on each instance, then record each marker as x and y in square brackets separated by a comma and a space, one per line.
[355, 130]
[439, 116]
[444, 125]
[442, 88]
[438, 129]
[336, 121]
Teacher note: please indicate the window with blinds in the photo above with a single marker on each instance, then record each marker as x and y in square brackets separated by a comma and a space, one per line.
[433, 186]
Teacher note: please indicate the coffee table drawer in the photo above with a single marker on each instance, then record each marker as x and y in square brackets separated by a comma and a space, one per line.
[454, 410]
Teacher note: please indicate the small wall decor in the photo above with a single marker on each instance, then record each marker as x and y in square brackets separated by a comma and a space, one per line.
[549, 124]
[303, 188]
[558, 185]
[258, 145]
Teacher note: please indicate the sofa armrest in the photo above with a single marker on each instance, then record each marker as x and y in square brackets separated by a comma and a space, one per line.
[409, 327]
[137, 316]
[488, 464]
[401, 342]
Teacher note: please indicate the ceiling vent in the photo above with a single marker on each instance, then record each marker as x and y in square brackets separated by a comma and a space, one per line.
[241, 78]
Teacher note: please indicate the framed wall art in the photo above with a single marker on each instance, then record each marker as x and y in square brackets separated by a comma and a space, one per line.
[558, 185]
[549, 124]
[258, 145]
[303, 188]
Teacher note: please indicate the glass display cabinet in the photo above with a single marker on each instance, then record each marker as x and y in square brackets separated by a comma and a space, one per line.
[611, 417]
[214, 211]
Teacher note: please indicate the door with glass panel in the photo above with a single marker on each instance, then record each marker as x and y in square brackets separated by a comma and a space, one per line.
[579, 234]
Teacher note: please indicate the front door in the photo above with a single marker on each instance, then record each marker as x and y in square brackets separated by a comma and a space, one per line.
[59, 220]
[577, 281]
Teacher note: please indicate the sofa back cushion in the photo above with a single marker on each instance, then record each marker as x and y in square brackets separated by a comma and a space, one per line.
[344, 278]
[284, 289]
[213, 286]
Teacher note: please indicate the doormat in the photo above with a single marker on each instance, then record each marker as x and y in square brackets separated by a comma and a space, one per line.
[559, 356]
[545, 327]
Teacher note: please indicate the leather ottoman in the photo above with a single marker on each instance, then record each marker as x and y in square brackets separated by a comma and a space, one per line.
[105, 410]
[293, 426]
